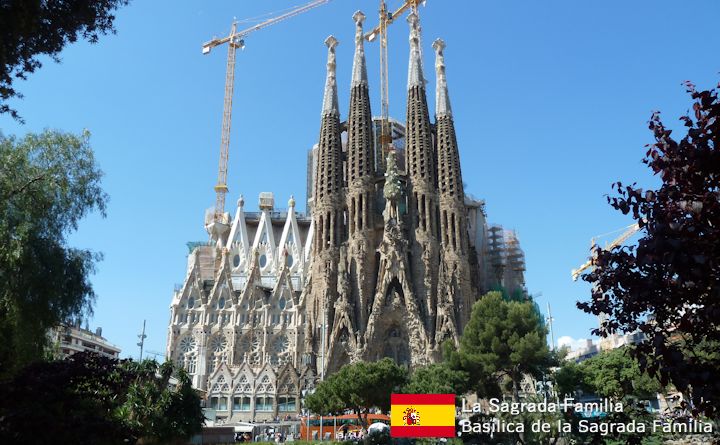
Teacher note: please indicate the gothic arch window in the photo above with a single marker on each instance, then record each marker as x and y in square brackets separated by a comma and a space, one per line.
[218, 352]
[264, 395]
[243, 394]
[287, 396]
[187, 354]
[221, 385]
[250, 349]
[280, 350]
[191, 363]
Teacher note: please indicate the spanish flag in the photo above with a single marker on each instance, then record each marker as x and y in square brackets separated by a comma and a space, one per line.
[422, 415]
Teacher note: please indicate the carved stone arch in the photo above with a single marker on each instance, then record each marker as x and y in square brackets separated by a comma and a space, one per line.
[221, 381]
[288, 381]
[244, 381]
[266, 382]
[308, 379]
[394, 294]
[342, 344]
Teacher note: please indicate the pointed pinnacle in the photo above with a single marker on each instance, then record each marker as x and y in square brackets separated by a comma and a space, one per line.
[330, 101]
[442, 98]
[359, 72]
[331, 42]
[415, 71]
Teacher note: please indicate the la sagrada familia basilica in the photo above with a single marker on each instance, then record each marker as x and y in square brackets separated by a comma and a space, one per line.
[387, 263]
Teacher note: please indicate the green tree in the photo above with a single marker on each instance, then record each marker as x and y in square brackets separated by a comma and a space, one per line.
[92, 399]
[570, 378]
[48, 183]
[614, 375]
[437, 378]
[502, 339]
[359, 387]
[155, 413]
[33, 28]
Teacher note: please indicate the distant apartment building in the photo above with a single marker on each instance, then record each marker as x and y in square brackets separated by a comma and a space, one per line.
[590, 348]
[73, 339]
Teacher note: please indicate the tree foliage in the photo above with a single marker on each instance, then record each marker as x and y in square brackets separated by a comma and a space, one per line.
[616, 374]
[437, 378]
[48, 183]
[668, 286]
[33, 28]
[612, 374]
[90, 399]
[359, 387]
[502, 339]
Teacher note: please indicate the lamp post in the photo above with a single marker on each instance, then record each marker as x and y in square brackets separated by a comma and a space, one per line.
[142, 338]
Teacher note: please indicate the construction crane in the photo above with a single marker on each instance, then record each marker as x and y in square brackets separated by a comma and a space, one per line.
[629, 231]
[235, 40]
[155, 354]
[381, 30]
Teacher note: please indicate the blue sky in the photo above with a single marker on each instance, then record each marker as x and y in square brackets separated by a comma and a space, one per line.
[551, 102]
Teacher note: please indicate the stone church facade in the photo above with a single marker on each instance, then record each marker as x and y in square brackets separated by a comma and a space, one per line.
[388, 262]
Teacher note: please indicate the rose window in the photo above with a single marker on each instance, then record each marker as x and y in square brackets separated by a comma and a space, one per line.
[188, 344]
[218, 343]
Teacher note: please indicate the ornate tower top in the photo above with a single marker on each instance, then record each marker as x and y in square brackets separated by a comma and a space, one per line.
[359, 72]
[415, 71]
[442, 99]
[392, 188]
[330, 101]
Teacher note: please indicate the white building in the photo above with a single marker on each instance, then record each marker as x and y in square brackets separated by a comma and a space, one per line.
[73, 339]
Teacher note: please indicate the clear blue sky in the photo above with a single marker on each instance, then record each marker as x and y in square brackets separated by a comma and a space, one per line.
[551, 102]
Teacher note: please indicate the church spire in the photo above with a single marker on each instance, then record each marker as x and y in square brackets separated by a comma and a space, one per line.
[330, 101]
[359, 72]
[327, 206]
[415, 70]
[359, 127]
[442, 99]
[452, 213]
[418, 132]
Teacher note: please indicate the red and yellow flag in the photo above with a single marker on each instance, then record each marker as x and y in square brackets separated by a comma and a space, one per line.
[422, 415]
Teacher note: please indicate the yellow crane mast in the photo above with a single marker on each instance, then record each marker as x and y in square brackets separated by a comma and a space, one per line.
[381, 30]
[235, 41]
[629, 231]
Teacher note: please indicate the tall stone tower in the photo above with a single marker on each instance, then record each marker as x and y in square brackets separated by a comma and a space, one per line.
[328, 217]
[390, 274]
[455, 293]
